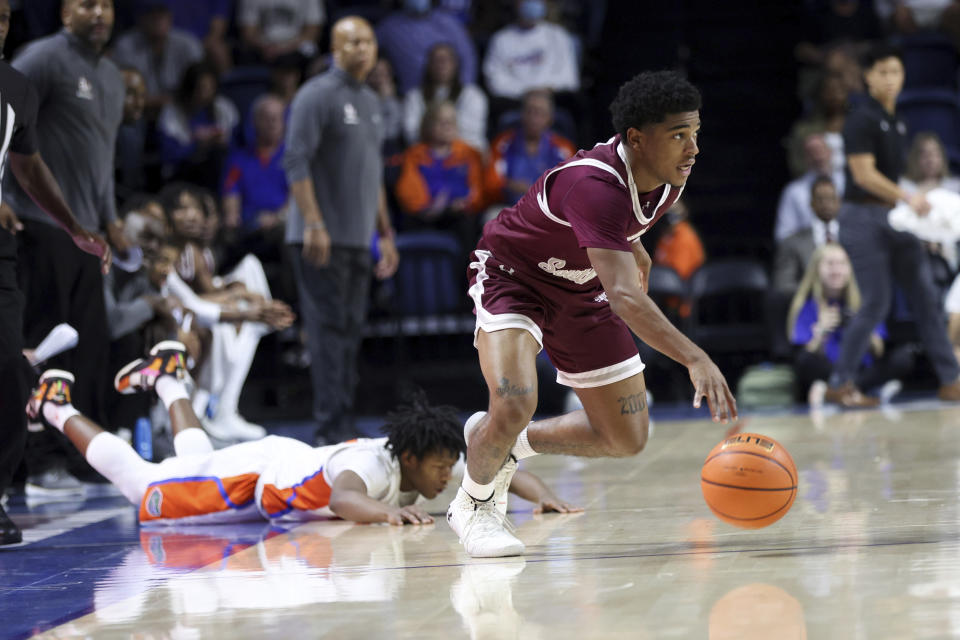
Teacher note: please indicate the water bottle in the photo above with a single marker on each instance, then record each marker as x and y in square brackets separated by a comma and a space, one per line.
[143, 438]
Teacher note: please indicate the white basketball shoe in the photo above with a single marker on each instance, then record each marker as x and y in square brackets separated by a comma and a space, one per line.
[482, 529]
[501, 482]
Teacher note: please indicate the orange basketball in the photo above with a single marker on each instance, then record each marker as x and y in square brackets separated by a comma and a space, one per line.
[749, 481]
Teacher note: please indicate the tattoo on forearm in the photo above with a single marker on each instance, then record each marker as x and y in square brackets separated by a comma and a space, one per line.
[633, 403]
[506, 389]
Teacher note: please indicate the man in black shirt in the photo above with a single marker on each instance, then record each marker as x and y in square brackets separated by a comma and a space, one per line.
[18, 137]
[875, 142]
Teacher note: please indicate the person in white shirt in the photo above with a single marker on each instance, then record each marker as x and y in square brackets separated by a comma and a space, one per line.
[531, 54]
[441, 82]
[276, 478]
[794, 212]
[273, 28]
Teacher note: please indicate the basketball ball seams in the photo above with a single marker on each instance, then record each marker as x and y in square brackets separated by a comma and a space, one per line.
[786, 505]
[756, 455]
[734, 486]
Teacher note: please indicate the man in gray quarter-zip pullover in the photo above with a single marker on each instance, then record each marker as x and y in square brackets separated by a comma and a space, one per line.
[335, 172]
[80, 97]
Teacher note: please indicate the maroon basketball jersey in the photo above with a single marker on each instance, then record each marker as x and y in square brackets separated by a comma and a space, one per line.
[587, 201]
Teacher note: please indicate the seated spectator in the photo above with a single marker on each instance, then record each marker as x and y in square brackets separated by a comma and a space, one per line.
[255, 191]
[530, 54]
[927, 165]
[827, 22]
[286, 75]
[440, 184]
[131, 136]
[161, 53]
[232, 349]
[827, 118]
[206, 20]
[822, 306]
[794, 212]
[382, 81]
[441, 81]
[909, 16]
[405, 36]
[793, 253]
[195, 130]
[270, 29]
[843, 60]
[928, 168]
[519, 156]
[679, 247]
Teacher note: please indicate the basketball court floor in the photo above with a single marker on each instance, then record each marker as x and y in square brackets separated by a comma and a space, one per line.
[870, 550]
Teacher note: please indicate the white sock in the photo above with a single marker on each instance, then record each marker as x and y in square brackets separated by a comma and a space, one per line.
[191, 442]
[521, 448]
[58, 415]
[477, 491]
[120, 464]
[169, 389]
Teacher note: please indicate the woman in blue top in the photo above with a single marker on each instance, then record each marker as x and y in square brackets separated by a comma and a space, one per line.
[825, 301]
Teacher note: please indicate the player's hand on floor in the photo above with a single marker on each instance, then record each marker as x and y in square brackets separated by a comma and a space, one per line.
[551, 502]
[709, 383]
[411, 514]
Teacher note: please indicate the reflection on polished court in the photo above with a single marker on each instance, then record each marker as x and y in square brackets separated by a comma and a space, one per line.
[871, 550]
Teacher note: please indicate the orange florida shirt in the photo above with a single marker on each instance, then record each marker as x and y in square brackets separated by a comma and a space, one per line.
[424, 175]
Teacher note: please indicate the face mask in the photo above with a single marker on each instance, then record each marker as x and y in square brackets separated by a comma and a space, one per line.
[533, 10]
[417, 6]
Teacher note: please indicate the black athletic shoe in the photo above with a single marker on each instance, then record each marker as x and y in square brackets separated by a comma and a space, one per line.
[9, 531]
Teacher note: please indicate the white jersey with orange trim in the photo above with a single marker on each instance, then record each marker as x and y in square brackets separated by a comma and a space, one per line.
[211, 487]
[298, 486]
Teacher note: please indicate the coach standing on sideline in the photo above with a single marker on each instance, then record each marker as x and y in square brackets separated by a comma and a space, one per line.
[875, 141]
[335, 172]
[81, 95]
[18, 115]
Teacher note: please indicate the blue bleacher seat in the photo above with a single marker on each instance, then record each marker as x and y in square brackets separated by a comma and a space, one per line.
[930, 60]
[934, 110]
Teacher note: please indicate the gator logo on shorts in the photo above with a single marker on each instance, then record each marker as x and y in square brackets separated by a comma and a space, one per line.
[555, 266]
[154, 502]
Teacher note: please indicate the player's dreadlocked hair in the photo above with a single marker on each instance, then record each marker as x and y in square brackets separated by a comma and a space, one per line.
[421, 429]
[648, 97]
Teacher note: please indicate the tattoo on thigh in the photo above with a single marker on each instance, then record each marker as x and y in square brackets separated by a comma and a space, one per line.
[506, 389]
[633, 403]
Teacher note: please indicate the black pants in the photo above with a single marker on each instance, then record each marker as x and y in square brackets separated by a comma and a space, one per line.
[333, 310]
[14, 370]
[895, 363]
[881, 256]
[63, 284]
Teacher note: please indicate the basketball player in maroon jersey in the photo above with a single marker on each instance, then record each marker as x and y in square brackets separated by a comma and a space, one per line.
[564, 269]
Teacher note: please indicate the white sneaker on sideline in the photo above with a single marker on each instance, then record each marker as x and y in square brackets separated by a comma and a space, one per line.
[817, 394]
[481, 527]
[501, 482]
[232, 428]
[890, 389]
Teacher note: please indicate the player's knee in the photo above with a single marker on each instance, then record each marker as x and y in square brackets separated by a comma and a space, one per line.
[511, 414]
[629, 442]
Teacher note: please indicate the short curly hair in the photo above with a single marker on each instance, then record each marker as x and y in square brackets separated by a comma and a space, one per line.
[418, 428]
[648, 97]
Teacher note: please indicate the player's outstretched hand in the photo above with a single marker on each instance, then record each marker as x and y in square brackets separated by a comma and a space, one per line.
[550, 502]
[709, 383]
[95, 245]
[410, 514]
